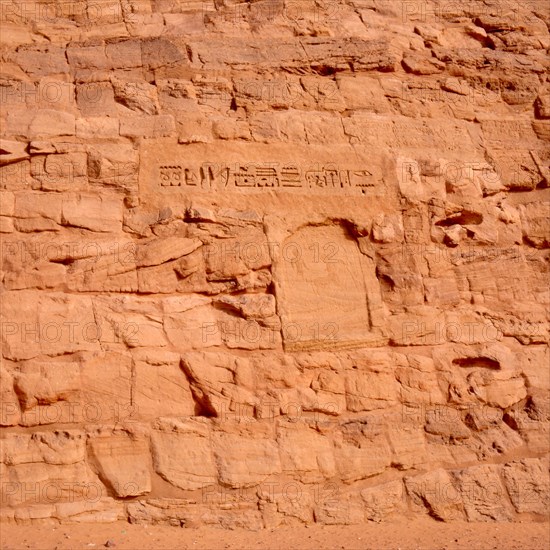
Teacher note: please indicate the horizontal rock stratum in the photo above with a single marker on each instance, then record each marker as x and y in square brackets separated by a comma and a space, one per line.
[274, 262]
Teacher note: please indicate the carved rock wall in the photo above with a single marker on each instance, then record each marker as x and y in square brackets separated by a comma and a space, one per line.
[274, 262]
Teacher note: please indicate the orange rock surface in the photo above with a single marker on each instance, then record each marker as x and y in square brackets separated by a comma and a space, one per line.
[272, 263]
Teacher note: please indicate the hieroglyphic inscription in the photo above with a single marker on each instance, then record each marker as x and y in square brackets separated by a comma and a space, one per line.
[218, 176]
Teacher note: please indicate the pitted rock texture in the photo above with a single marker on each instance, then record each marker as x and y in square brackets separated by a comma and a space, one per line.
[274, 262]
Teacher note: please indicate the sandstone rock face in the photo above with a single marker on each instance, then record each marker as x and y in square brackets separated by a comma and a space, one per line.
[266, 266]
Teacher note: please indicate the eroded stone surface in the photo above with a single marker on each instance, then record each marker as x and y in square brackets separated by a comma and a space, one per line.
[264, 267]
